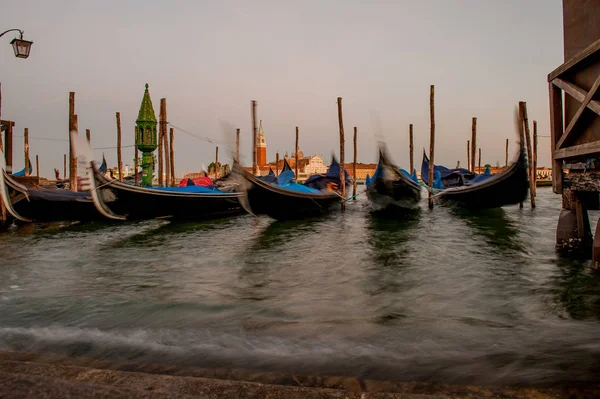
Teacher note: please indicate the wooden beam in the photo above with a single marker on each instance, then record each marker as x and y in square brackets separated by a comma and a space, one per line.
[296, 156]
[534, 161]
[26, 148]
[37, 166]
[119, 159]
[556, 129]
[237, 146]
[172, 154]
[506, 159]
[354, 165]
[577, 93]
[73, 158]
[135, 155]
[411, 148]
[88, 135]
[469, 155]
[473, 142]
[432, 141]
[591, 49]
[580, 110]
[576, 151]
[254, 133]
[342, 174]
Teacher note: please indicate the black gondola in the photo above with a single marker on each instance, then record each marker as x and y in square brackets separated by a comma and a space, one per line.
[46, 205]
[283, 204]
[456, 177]
[392, 189]
[506, 188]
[121, 201]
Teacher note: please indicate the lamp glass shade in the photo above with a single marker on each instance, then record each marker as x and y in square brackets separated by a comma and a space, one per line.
[21, 47]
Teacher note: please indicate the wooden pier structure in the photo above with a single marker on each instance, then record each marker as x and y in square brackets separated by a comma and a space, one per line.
[575, 127]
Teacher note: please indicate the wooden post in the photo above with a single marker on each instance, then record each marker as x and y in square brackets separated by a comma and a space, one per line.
[73, 159]
[479, 160]
[73, 127]
[506, 161]
[254, 128]
[556, 131]
[473, 142]
[277, 164]
[469, 155]
[534, 164]
[217, 163]
[26, 148]
[8, 147]
[237, 146]
[165, 143]
[37, 166]
[119, 159]
[432, 140]
[411, 148]
[64, 166]
[135, 156]
[88, 135]
[296, 152]
[354, 165]
[172, 156]
[523, 106]
[161, 134]
[342, 174]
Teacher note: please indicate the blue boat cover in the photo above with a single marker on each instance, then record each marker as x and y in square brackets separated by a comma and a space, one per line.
[285, 180]
[270, 178]
[21, 173]
[450, 176]
[103, 166]
[369, 180]
[320, 182]
[481, 178]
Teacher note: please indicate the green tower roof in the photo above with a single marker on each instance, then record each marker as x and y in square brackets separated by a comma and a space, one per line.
[146, 113]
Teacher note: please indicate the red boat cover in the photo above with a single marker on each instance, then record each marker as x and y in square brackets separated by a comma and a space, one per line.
[202, 181]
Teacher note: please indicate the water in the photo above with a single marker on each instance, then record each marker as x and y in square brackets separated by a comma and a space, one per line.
[446, 296]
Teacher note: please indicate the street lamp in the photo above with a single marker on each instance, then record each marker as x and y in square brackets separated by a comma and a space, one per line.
[20, 46]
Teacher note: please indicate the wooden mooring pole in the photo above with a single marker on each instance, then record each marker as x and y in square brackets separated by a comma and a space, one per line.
[135, 156]
[473, 142]
[277, 164]
[296, 154]
[479, 164]
[161, 134]
[523, 107]
[64, 166]
[469, 155]
[165, 137]
[411, 148]
[88, 135]
[354, 165]
[73, 127]
[172, 155]
[431, 140]
[254, 130]
[237, 146]
[119, 159]
[37, 166]
[26, 148]
[217, 163]
[534, 164]
[342, 174]
[506, 160]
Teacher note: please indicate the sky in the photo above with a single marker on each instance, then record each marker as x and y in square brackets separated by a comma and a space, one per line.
[209, 59]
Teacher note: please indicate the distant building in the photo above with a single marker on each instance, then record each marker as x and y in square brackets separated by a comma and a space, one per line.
[362, 170]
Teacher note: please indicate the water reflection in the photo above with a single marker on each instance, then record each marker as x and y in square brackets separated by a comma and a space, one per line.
[494, 226]
[577, 288]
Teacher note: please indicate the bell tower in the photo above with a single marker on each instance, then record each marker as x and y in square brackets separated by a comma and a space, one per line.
[145, 137]
[261, 144]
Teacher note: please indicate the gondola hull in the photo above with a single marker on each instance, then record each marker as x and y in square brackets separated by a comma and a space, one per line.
[507, 188]
[391, 190]
[121, 201]
[394, 196]
[281, 204]
[48, 205]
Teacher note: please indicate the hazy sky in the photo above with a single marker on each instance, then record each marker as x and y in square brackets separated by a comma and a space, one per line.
[211, 58]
